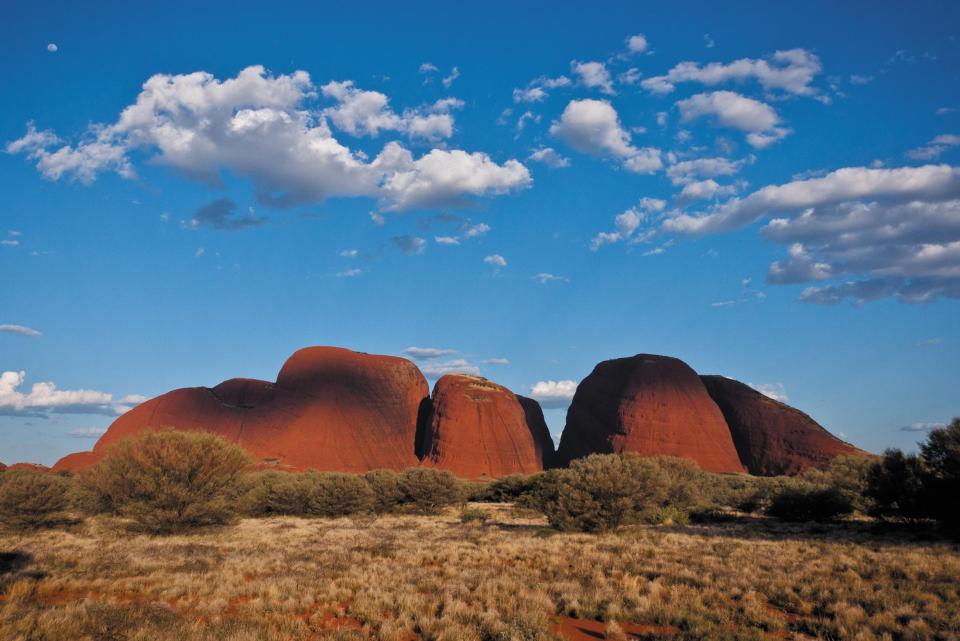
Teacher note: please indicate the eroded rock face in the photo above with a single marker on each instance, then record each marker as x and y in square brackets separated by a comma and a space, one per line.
[28, 467]
[476, 428]
[651, 405]
[773, 438]
[330, 409]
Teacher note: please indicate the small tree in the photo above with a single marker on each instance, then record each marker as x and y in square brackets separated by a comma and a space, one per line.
[810, 504]
[169, 481]
[941, 454]
[30, 500]
[896, 486]
[426, 490]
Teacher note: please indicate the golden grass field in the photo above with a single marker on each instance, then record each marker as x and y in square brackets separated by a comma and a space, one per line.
[421, 577]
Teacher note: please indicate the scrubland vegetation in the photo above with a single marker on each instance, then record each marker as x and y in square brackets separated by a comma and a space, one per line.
[169, 538]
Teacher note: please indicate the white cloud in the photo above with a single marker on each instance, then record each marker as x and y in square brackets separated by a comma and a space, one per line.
[546, 277]
[435, 369]
[426, 353]
[876, 232]
[7, 242]
[22, 330]
[349, 273]
[593, 127]
[789, 71]
[261, 128]
[496, 260]
[629, 77]
[538, 90]
[52, 47]
[626, 223]
[776, 391]
[593, 75]
[428, 67]
[45, 397]
[448, 80]
[757, 119]
[935, 148]
[637, 43]
[923, 427]
[473, 231]
[496, 361]
[87, 432]
[687, 171]
[549, 157]
[708, 41]
[553, 394]
[446, 240]
[348, 253]
[858, 79]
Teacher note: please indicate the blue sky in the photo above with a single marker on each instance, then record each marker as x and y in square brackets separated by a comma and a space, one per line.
[770, 193]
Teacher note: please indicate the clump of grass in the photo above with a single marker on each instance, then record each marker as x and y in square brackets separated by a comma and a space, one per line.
[32, 500]
[474, 515]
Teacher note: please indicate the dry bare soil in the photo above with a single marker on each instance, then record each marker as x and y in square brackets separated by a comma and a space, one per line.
[415, 577]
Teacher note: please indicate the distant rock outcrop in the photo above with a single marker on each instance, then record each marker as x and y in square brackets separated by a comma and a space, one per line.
[330, 409]
[772, 438]
[476, 428]
[27, 467]
[651, 405]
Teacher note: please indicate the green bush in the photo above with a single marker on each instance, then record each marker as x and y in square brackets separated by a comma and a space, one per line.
[427, 490]
[602, 492]
[169, 481]
[273, 493]
[31, 500]
[474, 515]
[848, 475]
[332, 494]
[811, 504]
[941, 453]
[387, 489]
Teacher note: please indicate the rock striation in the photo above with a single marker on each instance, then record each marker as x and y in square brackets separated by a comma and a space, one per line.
[771, 437]
[476, 428]
[651, 405]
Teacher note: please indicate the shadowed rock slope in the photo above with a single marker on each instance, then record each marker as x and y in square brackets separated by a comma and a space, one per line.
[648, 404]
[772, 438]
[476, 428]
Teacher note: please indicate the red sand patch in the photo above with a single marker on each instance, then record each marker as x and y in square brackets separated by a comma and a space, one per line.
[587, 630]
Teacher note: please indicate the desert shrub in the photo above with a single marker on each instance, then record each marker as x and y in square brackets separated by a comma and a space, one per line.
[669, 515]
[474, 515]
[271, 492]
[387, 489]
[846, 474]
[169, 481]
[941, 453]
[896, 487]
[810, 504]
[333, 494]
[542, 490]
[602, 492]
[30, 500]
[427, 490]
[508, 489]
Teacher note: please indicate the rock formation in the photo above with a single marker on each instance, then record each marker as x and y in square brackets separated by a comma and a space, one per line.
[772, 438]
[330, 409]
[28, 467]
[651, 405]
[476, 428]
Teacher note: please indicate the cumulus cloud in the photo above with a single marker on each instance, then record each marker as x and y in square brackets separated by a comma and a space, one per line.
[221, 215]
[549, 157]
[21, 330]
[922, 427]
[448, 80]
[626, 223]
[593, 75]
[874, 232]
[593, 127]
[262, 128]
[426, 353]
[496, 260]
[496, 361]
[553, 394]
[52, 47]
[546, 277]
[935, 148]
[350, 273]
[776, 391]
[789, 72]
[637, 43]
[757, 119]
[348, 253]
[87, 432]
[45, 397]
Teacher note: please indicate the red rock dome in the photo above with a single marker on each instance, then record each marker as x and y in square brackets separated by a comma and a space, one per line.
[330, 409]
[651, 405]
[476, 428]
[772, 438]
[27, 467]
